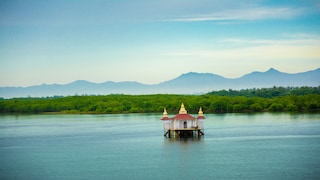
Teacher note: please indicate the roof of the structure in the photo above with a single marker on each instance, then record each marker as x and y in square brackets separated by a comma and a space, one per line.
[183, 117]
[165, 118]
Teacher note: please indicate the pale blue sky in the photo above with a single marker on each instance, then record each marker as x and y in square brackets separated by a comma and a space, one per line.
[60, 41]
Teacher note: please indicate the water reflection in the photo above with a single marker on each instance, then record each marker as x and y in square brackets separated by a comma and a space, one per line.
[183, 140]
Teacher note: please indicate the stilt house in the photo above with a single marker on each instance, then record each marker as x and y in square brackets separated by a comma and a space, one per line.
[183, 124]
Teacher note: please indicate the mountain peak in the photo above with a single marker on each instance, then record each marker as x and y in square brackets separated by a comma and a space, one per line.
[196, 74]
[273, 70]
[192, 74]
[81, 82]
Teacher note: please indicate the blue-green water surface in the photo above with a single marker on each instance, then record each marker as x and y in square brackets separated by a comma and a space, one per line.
[132, 146]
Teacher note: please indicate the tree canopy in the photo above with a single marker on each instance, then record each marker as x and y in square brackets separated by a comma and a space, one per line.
[276, 99]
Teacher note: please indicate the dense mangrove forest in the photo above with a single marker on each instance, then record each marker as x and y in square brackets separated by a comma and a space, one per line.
[276, 99]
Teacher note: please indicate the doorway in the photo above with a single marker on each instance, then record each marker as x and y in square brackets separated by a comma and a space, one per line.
[185, 124]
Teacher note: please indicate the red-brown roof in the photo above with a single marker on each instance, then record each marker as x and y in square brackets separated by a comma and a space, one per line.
[183, 117]
[201, 117]
[165, 118]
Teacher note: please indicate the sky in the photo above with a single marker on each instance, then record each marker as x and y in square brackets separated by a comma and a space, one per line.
[61, 41]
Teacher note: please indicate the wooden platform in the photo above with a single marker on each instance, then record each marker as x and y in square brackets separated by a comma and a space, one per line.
[184, 132]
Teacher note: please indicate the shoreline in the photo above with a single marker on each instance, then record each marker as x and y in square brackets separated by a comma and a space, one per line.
[123, 113]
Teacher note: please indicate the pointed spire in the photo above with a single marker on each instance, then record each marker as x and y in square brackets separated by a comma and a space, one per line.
[182, 109]
[165, 115]
[200, 114]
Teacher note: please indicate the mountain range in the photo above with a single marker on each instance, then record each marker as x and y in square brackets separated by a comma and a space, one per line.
[189, 83]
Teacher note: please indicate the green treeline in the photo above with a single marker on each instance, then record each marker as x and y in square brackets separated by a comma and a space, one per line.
[269, 92]
[304, 99]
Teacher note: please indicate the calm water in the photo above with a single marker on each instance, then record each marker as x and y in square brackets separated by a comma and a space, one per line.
[235, 146]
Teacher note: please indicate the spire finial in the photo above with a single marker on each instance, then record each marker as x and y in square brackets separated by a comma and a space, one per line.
[182, 109]
[200, 113]
[165, 114]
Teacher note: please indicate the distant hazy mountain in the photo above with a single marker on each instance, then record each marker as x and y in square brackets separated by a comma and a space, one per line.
[189, 83]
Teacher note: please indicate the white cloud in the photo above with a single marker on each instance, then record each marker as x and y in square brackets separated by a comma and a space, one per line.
[261, 52]
[286, 55]
[299, 46]
[294, 41]
[247, 14]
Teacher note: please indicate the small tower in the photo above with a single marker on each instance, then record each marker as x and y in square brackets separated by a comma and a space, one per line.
[200, 114]
[167, 125]
[200, 120]
[165, 115]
